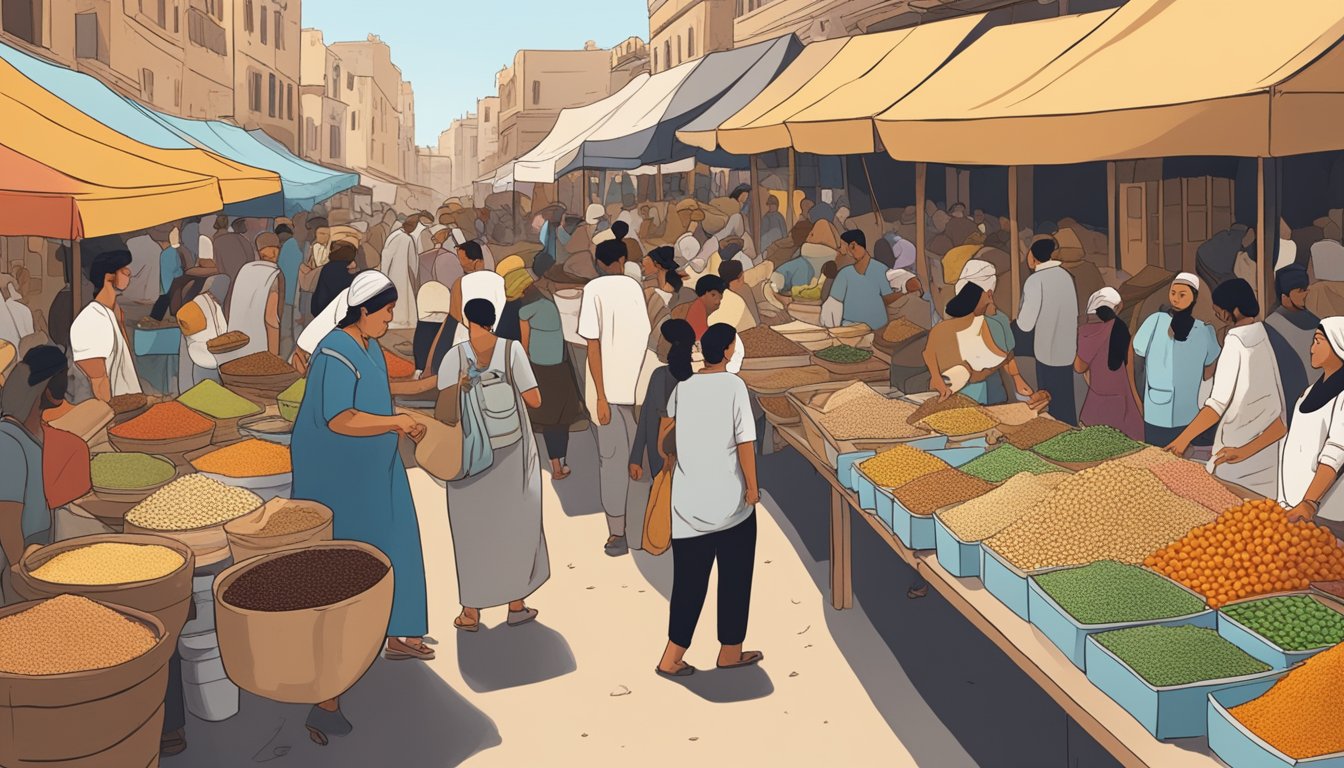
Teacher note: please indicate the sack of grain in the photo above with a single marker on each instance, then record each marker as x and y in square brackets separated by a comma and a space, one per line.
[278, 524]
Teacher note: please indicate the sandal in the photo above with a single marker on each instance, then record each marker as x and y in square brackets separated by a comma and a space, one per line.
[525, 616]
[406, 651]
[465, 626]
[686, 671]
[321, 723]
[749, 659]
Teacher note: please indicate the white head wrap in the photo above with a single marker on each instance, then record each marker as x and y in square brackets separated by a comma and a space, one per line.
[1106, 297]
[1334, 333]
[899, 278]
[739, 353]
[982, 273]
[594, 212]
[1185, 278]
[365, 286]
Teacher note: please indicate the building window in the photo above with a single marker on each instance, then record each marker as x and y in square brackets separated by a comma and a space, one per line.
[536, 92]
[350, 82]
[667, 53]
[264, 17]
[681, 51]
[177, 18]
[205, 32]
[247, 15]
[147, 85]
[289, 101]
[336, 81]
[177, 93]
[335, 147]
[655, 59]
[487, 114]
[254, 91]
[690, 43]
[270, 103]
[161, 15]
[354, 121]
[279, 33]
[86, 35]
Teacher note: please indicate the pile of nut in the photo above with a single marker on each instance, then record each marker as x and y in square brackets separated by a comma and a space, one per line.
[191, 502]
[763, 341]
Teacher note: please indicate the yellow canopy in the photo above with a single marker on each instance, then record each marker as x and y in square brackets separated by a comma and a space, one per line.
[841, 122]
[1156, 78]
[237, 182]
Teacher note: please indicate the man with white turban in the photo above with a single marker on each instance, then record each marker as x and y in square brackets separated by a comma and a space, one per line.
[983, 274]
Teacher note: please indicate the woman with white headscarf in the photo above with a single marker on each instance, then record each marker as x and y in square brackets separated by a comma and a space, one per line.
[1000, 326]
[1105, 359]
[1312, 454]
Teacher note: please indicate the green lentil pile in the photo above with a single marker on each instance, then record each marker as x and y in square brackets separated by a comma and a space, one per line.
[844, 353]
[1088, 444]
[1006, 461]
[1167, 656]
[217, 402]
[1292, 622]
[1108, 592]
[129, 471]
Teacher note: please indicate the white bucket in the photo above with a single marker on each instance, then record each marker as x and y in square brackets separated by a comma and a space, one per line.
[213, 701]
[568, 301]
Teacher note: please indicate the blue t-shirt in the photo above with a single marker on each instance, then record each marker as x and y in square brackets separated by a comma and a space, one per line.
[861, 295]
[170, 268]
[290, 258]
[1173, 370]
[796, 272]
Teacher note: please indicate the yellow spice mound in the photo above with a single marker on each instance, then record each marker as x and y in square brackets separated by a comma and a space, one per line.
[110, 563]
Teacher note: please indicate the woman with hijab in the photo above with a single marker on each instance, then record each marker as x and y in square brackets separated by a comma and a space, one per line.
[1246, 402]
[1313, 452]
[346, 457]
[961, 353]
[334, 277]
[1177, 350]
[1105, 359]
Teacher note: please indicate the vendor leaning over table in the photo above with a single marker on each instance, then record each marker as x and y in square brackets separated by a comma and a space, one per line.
[984, 274]
[961, 353]
[1178, 352]
[1313, 452]
[1246, 403]
[346, 457]
[98, 336]
[38, 383]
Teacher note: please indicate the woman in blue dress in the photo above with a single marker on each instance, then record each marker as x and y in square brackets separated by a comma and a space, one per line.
[345, 456]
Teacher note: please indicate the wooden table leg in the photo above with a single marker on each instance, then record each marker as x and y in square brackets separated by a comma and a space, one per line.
[842, 584]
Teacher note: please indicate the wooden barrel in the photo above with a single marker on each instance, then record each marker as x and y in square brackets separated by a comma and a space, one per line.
[168, 597]
[94, 719]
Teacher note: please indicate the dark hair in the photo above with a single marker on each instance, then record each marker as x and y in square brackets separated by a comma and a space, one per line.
[664, 256]
[620, 229]
[829, 270]
[284, 229]
[480, 312]
[107, 263]
[1291, 278]
[44, 362]
[473, 250]
[682, 337]
[1236, 295]
[1183, 320]
[343, 251]
[740, 189]
[611, 251]
[1118, 351]
[387, 296]
[240, 225]
[1043, 250]
[966, 300]
[710, 283]
[714, 342]
[730, 270]
[855, 237]
[673, 280]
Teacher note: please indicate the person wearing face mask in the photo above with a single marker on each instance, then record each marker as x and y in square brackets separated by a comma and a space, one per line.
[1178, 350]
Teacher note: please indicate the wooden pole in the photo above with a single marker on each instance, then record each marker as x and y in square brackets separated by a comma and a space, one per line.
[877, 207]
[1016, 261]
[921, 226]
[76, 280]
[1111, 250]
[793, 184]
[1262, 254]
[658, 185]
[757, 205]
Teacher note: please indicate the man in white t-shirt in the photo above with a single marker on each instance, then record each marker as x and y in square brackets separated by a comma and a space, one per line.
[613, 318]
[477, 282]
[98, 335]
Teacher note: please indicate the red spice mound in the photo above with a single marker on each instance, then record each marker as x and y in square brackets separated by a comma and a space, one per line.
[164, 421]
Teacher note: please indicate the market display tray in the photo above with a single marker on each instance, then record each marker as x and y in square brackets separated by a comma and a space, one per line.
[1070, 636]
[1238, 747]
[959, 558]
[1006, 582]
[916, 531]
[1261, 647]
[851, 477]
[820, 441]
[1175, 712]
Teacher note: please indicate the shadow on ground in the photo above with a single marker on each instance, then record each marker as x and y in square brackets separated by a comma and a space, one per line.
[500, 657]
[728, 686]
[656, 570]
[579, 494]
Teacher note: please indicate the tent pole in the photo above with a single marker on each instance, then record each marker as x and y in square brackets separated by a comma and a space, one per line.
[877, 207]
[921, 225]
[658, 185]
[757, 204]
[1016, 260]
[793, 186]
[76, 280]
[1111, 251]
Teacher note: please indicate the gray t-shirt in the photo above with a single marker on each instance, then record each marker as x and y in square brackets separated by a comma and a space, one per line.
[546, 338]
[713, 415]
[21, 482]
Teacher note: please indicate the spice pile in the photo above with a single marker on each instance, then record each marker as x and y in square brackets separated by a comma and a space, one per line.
[164, 421]
[191, 502]
[256, 364]
[1012, 414]
[781, 379]
[1005, 462]
[1190, 480]
[246, 458]
[127, 403]
[959, 422]
[217, 401]
[934, 405]
[1088, 444]
[227, 342]
[779, 407]
[309, 578]
[844, 354]
[1292, 622]
[1108, 592]
[109, 563]
[1108, 512]
[291, 518]
[1149, 458]
[1034, 432]
[68, 634]
[900, 330]
[925, 495]
[897, 466]
[1168, 656]
[398, 368]
[763, 341]
[1251, 550]
[872, 417]
[1301, 715]
[982, 517]
[129, 471]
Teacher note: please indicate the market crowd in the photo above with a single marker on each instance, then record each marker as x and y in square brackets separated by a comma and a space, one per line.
[627, 319]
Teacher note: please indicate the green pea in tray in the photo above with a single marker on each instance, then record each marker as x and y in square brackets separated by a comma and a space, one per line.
[1283, 630]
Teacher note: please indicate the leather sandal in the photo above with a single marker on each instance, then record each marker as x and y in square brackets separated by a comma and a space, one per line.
[406, 651]
[466, 627]
[525, 616]
[749, 659]
[686, 671]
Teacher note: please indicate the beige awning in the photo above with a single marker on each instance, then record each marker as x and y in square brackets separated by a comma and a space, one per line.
[1155, 78]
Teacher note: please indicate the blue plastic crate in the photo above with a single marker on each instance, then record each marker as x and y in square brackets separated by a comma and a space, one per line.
[1258, 645]
[914, 531]
[959, 558]
[1238, 747]
[1176, 712]
[1005, 582]
[157, 341]
[1070, 637]
[847, 471]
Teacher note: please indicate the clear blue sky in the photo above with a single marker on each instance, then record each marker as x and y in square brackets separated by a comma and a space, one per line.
[451, 49]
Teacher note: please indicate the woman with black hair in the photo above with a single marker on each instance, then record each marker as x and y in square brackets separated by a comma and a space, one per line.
[1178, 353]
[1246, 403]
[714, 498]
[961, 353]
[1105, 359]
[346, 457]
[645, 453]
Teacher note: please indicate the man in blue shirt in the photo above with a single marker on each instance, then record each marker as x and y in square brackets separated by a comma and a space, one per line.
[170, 261]
[862, 288]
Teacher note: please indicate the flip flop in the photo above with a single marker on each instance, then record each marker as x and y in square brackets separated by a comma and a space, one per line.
[472, 627]
[525, 616]
[685, 671]
[749, 659]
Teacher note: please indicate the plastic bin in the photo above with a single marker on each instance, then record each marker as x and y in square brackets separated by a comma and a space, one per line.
[1005, 582]
[917, 531]
[1175, 712]
[844, 468]
[1238, 747]
[959, 558]
[1070, 637]
[1258, 645]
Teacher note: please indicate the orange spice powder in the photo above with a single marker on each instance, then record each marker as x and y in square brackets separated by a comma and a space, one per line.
[247, 458]
[164, 421]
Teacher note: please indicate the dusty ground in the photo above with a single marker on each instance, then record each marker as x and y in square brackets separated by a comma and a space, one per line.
[578, 688]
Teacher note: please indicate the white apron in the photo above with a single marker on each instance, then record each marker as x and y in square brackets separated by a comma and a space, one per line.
[247, 307]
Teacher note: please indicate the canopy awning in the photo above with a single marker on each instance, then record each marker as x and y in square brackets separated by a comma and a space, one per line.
[83, 104]
[542, 163]
[1156, 78]
[643, 130]
[303, 184]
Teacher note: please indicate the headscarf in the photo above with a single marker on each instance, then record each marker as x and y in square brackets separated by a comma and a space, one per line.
[1103, 304]
[365, 286]
[1326, 389]
[594, 213]
[509, 264]
[1106, 297]
[982, 273]
[516, 283]
[1187, 279]
[433, 301]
